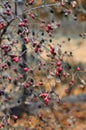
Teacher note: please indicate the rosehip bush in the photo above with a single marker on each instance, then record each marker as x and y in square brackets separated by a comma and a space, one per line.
[29, 59]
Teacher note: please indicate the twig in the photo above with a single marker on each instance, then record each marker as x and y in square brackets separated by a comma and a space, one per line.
[5, 29]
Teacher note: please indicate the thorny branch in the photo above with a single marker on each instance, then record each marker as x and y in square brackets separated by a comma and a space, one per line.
[31, 107]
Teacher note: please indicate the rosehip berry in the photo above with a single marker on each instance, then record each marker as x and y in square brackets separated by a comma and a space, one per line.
[26, 39]
[30, 2]
[66, 90]
[49, 26]
[57, 73]
[25, 69]
[40, 83]
[72, 80]
[36, 49]
[15, 117]
[63, 4]
[1, 26]
[44, 95]
[9, 78]
[21, 77]
[46, 100]
[16, 59]
[25, 20]
[1, 125]
[78, 69]
[32, 16]
[58, 63]
[21, 24]
[60, 69]
[47, 30]
[70, 83]
[50, 34]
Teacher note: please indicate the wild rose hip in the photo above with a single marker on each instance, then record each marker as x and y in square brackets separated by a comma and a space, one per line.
[78, 69]
[36, 50]
[46, 100]
[32, 15]
[1, 125]
[49, 27]
[2, 26]
[58, 63]
[9, 78]
[70, 83]
[50, 34]
[57, 73]
[44, 95]
[30, 2]
[16, 59]
[26, 39]
[72, 80]
[21, 24]
[67, 90]
[60, 69]
[25, 20]
[63, 4]
[40, 83]
[21, 77]
[25, 69]
[47, 30]
[52, 51]
[15, 117]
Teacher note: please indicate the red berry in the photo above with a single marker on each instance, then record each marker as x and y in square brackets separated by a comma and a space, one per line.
[40, 83]
[78, 69]
[63, 4]
[66, 90]
[26, 39]
[50, 34]
[16, 59]
[9, 78]
[32, 16]
[58, 63]
[57, 73]
[72, 80]
[21, 24]
[15, 117]
[1, 125]
[44, 95]
[70, 83]
[25, 69]
[60, 69]
[36, 49]
[49, 26]
[46, 100]
[21, 77]
[47, 30]
[25, 20]
[64, 74]
[1, 26]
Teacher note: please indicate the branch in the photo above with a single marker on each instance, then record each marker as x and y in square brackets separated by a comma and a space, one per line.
[3, 17]
[5, 29]
[15, 8]
[42, 6]
[82, 9]
[33, 107]
[75, 99]
[43, 2]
